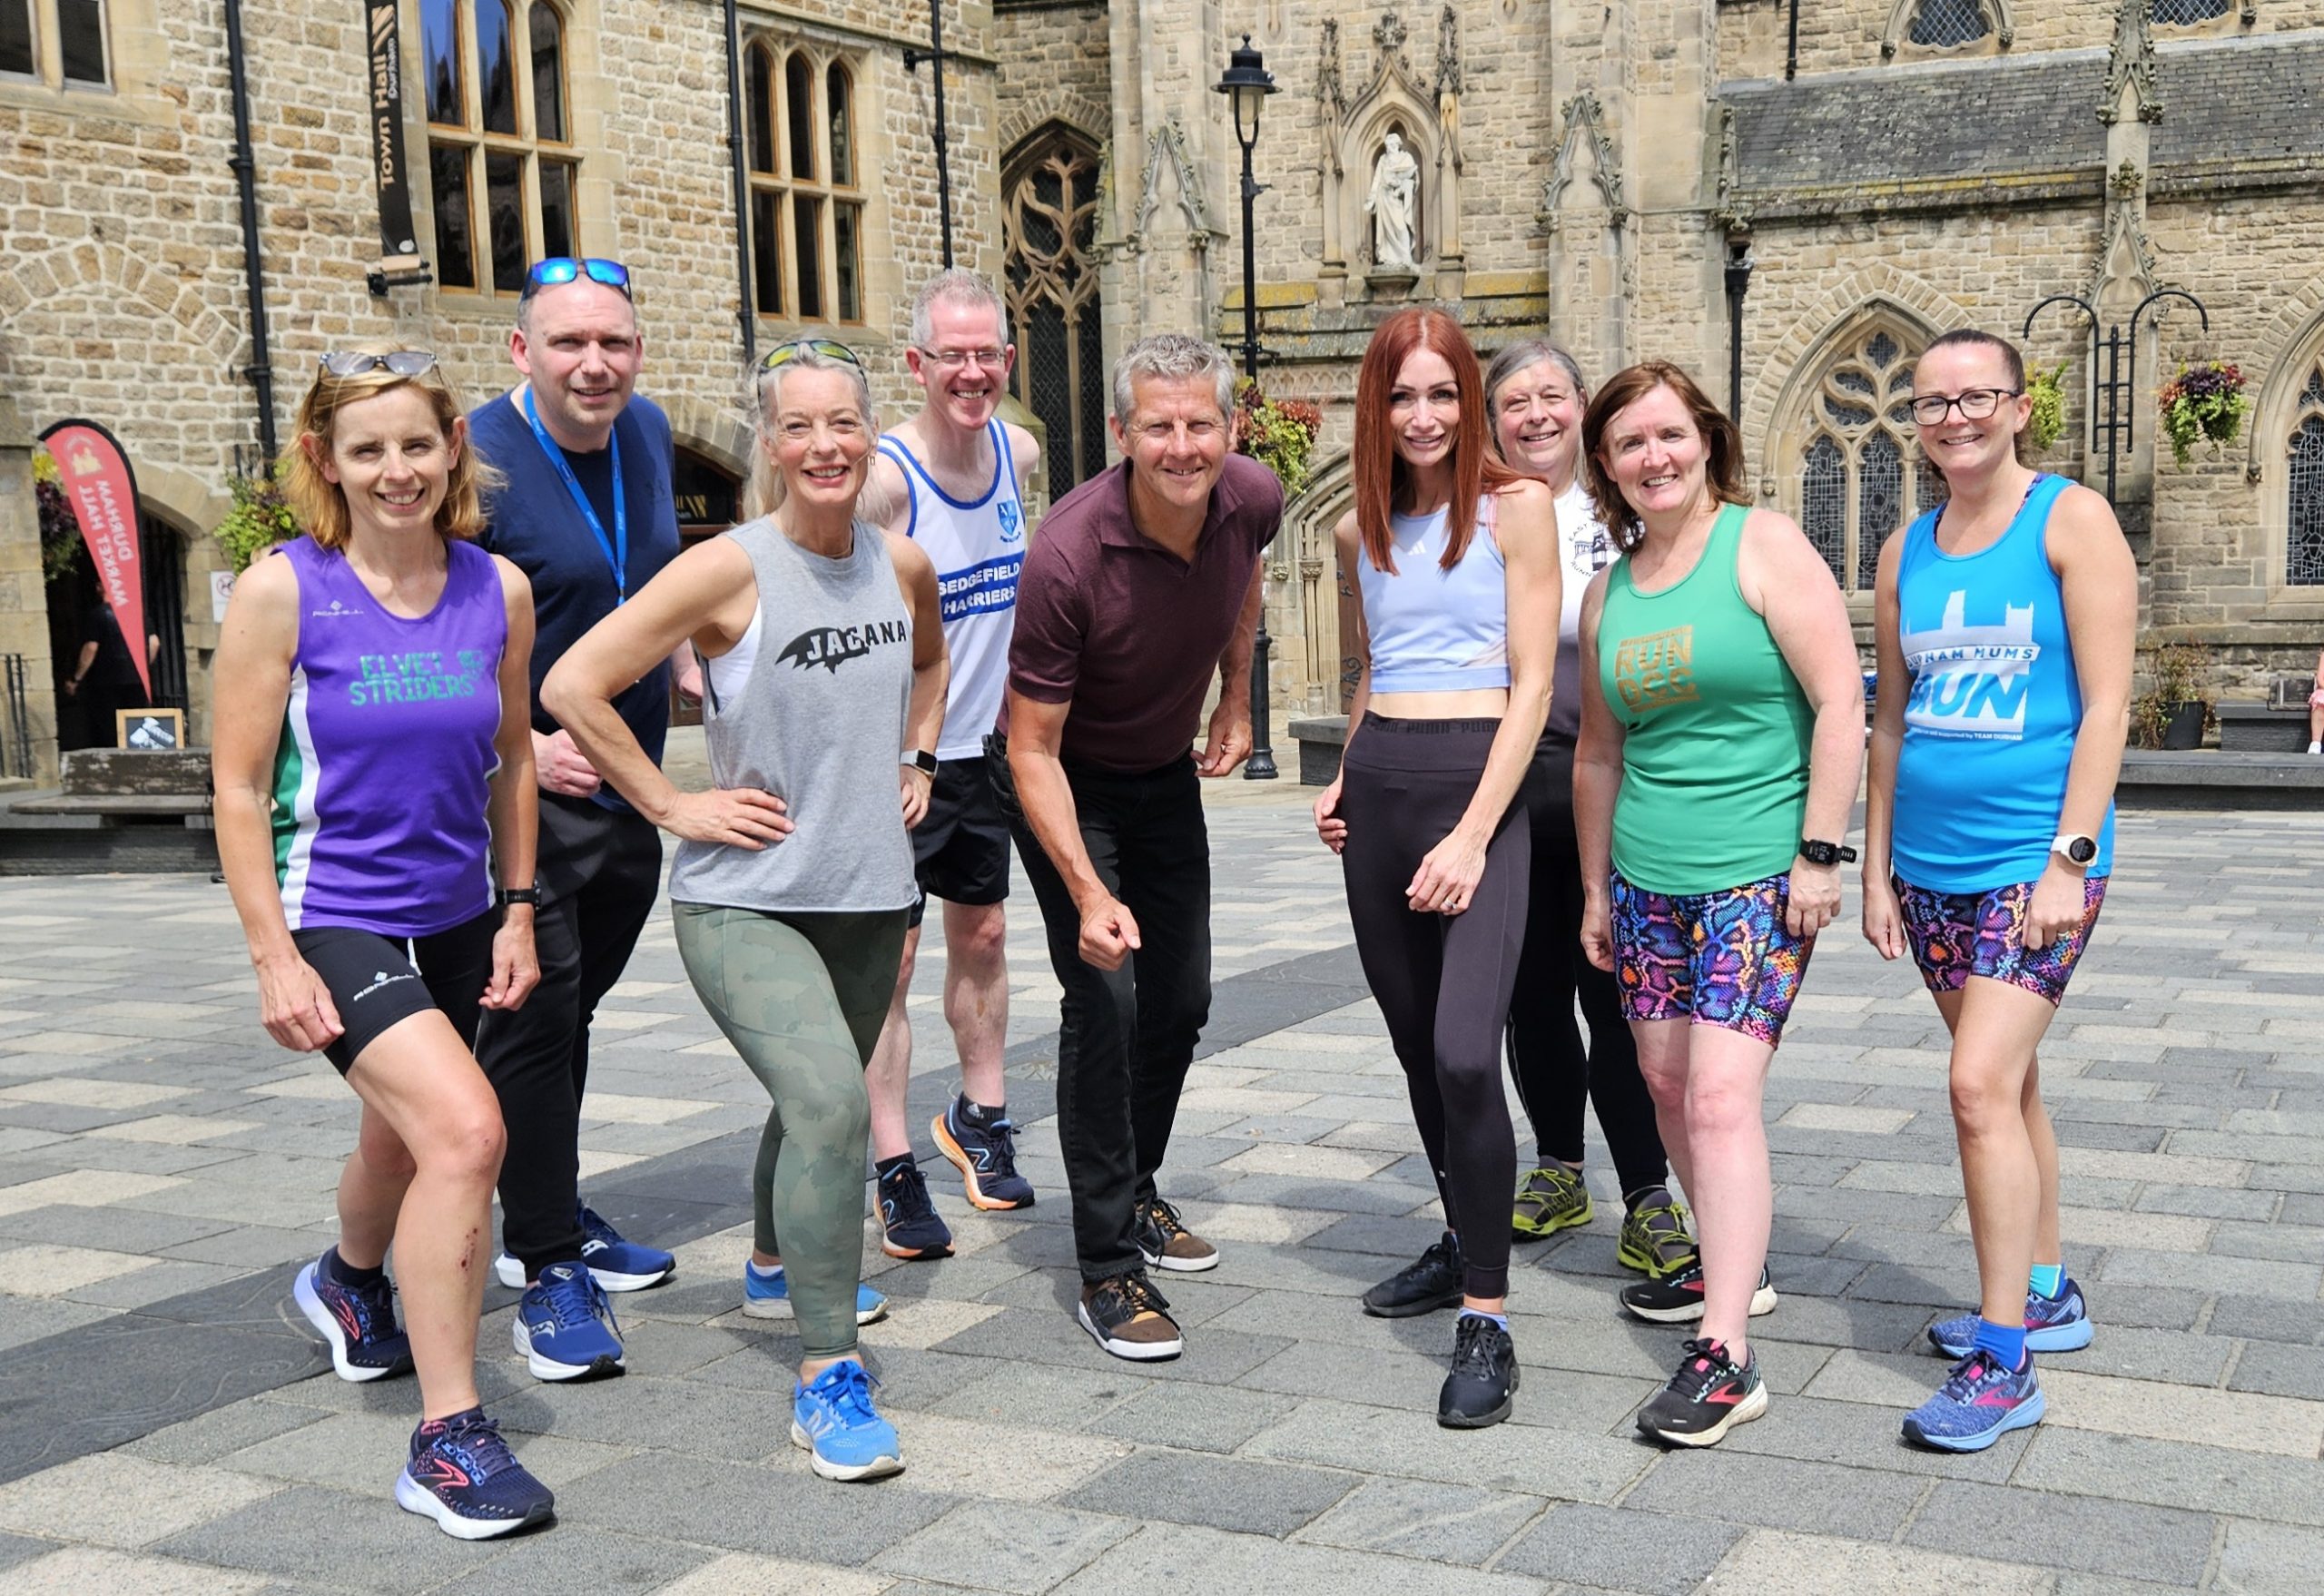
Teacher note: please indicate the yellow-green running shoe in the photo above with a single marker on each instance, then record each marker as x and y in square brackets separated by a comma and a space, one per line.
[1655, 1239]
[1550, 1199]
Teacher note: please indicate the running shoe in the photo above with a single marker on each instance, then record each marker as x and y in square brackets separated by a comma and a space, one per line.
[1680, 1299]
[1979, 1403]
[618, 1265]
[2058, 1323]
[1431, 1281]
[1166, 1244]
[909, 1226]
[1127, 1316]
[1655, 1240]
[985, 1156]
[1709, 1396]
[764, 1298]
[358, 1321]
[1550, 1199]
[564, 1327]
[1482, 1385]
[462, 1474]
[845, 1437]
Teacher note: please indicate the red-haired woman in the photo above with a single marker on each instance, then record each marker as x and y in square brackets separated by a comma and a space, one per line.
[1456, 559]
[1723, 721]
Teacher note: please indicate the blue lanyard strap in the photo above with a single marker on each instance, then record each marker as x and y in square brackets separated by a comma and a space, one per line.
[617, 548]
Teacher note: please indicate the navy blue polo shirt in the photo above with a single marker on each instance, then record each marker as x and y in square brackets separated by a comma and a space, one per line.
[534, 522]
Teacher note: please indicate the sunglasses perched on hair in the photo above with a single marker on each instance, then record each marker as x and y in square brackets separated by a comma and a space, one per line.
[398, 362]
[563, 269]
[782, 354]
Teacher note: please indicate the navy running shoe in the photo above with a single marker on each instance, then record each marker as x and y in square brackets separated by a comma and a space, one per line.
[909, 1226]
[564, 1327]
[769, 1297]
[358, 1321]
[833, 1419]
[2053, 1324]
[985, 1156]
[462, 1474]
[1979, 1403]
[618, 1265]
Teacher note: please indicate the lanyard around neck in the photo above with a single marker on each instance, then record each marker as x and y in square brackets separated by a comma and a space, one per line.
[617, 547]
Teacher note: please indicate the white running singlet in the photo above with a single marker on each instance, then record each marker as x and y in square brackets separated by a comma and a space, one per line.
[977, 547]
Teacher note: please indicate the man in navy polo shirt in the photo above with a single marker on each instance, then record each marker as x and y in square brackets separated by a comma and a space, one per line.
[588, 514]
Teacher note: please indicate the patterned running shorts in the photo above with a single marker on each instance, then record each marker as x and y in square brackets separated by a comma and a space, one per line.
[1720, 959]
[1957, 935]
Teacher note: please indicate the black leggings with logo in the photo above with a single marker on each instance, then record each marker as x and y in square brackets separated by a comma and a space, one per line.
[1442, 980]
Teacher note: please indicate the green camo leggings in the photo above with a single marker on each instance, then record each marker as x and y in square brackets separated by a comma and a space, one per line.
[802, 996]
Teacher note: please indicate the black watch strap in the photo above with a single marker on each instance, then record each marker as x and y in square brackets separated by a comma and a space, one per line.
[507, 896]
[1817, 853]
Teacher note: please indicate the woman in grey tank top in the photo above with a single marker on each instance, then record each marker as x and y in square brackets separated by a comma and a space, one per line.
[824, 672]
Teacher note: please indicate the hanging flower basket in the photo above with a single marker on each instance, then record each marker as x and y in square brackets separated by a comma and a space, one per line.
[2048, 418]
[1280, 434]
[2204, 403]
[260, 519]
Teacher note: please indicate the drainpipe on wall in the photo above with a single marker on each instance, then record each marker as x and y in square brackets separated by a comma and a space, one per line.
[261, 371]
[1738, 283]
[748, 312]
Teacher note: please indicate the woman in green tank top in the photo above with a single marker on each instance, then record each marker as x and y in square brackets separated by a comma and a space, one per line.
[1722, 725]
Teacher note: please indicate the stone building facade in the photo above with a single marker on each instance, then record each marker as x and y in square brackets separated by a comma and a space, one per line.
[1885, 169]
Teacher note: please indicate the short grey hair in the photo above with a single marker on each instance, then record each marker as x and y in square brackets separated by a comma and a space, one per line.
[1171, 356]
[1532, 351]
[960, 286]
[764, 492]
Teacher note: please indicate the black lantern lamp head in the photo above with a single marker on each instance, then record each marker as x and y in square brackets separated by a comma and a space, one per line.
[1247, 82]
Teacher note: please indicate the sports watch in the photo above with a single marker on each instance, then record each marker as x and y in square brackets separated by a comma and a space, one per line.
[921, 760]
[2075, 848]
[507, 896]
[1817, 853]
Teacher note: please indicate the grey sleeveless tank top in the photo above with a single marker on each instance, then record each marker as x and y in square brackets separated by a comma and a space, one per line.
[819, 722]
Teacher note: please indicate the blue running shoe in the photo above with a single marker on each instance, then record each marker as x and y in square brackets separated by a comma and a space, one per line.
[770, 1299]
[618, 1265]
[909, 1226]
[985, 1156]
[461, 1475]
[1979, 1403]
[564, 1327]
[834, 1420]
[358, 1321]
[2058, 1323]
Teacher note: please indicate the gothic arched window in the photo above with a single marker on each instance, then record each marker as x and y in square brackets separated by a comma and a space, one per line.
[1860, 475]
[2187, 13]
[1047, 224]
[2304, 522]
[1942, 24]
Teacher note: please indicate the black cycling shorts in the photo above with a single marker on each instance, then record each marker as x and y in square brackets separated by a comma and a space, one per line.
[961, 847]
[377, 982]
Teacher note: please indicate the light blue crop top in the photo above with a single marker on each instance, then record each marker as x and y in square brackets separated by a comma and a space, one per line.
[1434, 630]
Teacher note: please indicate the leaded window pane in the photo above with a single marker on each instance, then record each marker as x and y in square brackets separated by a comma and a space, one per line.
[1880, 502]
[2183, 13]
[766, 250]
[762, 111]
[81, 36]
[1881, 350]
[839, 108]
[1946, 22]
[847, 244]
[1846, 415]
[447, 168]
[16, 36]
[559, 232]
[494, 68]
[1049, 225]
[1854, 381]
[548, 76]
[439, 49]
[798, 93]
[504, 204]
[1823, 500]
[807, 231]
[2304, 565]
[2313, 394]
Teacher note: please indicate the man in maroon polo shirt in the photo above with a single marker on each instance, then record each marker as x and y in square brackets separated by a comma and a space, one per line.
[1143, 581]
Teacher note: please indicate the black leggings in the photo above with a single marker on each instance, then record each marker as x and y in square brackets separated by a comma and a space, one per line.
[1553, 1068]
[1442, 980]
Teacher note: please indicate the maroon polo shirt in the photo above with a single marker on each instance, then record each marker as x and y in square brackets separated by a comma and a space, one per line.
[1128, 633]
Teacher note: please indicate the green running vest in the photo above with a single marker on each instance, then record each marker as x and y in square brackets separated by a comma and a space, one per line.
[1716, 729]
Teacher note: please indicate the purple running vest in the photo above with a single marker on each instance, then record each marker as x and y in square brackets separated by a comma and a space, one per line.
[381, 775]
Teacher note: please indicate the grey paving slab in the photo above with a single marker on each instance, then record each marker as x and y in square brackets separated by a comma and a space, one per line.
[1019, 1548]
[1779, 1493]
[2018, 1525]
[779, 1511]
[1441, 1523]
[2267, 1560]
[209, 1436]
[1200, 1418]
[16, 1549]
[1599, 1548]
[1180, 1560]
[1223, 1492]
[615, 1562]
[2174, 1474]
[285, 1534]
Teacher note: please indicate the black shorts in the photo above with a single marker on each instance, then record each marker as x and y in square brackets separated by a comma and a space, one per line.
[961, 847]
[376, 981]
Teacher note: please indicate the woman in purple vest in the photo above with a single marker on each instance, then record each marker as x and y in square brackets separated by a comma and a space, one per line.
[374, 772]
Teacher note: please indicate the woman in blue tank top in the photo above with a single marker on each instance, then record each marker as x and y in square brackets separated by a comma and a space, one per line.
[374, 771]
[2006, 618]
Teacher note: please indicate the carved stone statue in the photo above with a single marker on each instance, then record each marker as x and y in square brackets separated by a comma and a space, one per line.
[1393, 207]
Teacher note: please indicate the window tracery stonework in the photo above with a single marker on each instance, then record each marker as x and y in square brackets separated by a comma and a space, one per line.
[1860, 474]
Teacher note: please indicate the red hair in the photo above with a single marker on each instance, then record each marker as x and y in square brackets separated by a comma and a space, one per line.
[1380, 476]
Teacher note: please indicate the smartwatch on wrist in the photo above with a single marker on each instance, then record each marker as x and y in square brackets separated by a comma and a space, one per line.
[507, 896]
[2075, 848]
[1817, 853]
[922, 761]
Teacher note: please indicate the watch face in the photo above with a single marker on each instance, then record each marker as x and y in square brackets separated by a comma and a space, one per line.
[2082, 850]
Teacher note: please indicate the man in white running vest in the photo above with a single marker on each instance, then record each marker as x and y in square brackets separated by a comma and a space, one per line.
[953, 479]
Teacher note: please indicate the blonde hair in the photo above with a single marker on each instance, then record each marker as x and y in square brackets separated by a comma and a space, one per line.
[318, 502]
[763, 495]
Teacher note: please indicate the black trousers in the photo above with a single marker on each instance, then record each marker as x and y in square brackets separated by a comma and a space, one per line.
[1442, 980]
[1125, 1037]
[1553, 1068]
[599, 871]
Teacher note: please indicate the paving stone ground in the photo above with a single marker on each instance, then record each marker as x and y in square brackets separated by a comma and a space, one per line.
[167, 1425]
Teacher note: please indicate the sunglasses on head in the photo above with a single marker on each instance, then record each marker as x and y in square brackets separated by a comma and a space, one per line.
[398, 362]
[562, 269]
[782, 354]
